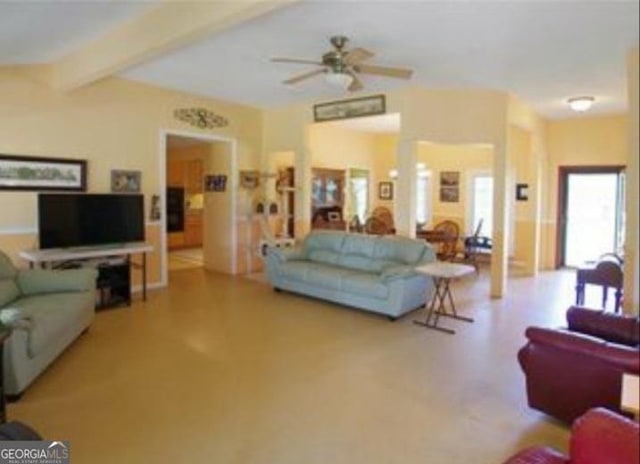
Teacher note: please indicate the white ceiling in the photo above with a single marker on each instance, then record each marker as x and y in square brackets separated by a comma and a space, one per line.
[44, 31]
[543, 51]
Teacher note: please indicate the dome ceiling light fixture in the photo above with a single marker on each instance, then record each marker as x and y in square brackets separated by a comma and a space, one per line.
[580, 104]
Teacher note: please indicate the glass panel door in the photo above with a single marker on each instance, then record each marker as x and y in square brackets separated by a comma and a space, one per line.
[593, 216]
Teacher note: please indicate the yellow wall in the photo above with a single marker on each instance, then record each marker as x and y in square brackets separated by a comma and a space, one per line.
[578, 142]
[339, 148]
[464, 159]
[524, 220]
[114, 124]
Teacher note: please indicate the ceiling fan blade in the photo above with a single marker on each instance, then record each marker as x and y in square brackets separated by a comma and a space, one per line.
[295, 60]
[400, 73]
[307, 75]
[357, 55]
[356, 84]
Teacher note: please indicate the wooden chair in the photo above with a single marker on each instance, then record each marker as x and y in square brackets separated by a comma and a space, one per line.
[384, 214]
[474, 245]
[608, 272]
[448, 234]
[375, 226]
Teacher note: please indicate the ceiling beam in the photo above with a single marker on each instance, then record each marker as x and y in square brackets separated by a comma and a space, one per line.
[167, 27]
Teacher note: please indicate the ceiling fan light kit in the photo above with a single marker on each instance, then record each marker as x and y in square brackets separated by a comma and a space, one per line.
[342, 67]
[581, 104]
[339, 80]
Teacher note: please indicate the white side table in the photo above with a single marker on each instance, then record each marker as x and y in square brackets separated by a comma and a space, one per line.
[443, 273]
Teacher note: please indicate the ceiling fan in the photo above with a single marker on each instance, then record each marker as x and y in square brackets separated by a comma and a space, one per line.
[341, 67]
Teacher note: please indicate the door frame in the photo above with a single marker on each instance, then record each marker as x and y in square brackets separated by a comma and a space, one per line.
[561, 210]
[231, 185]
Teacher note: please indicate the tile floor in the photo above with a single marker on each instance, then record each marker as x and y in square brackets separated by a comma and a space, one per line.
[217, 369]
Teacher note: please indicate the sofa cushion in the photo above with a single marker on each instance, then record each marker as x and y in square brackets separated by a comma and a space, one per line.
[323, 256]
[323, 240]
[362, 263]
[359, 244]
[365, 284]
[405, 250]
[50, 315]
[325, 276]
[9, 291]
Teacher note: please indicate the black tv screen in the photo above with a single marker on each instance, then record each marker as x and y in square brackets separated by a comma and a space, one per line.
[72, 220]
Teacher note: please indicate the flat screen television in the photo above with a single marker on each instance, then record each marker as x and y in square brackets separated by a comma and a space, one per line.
[85, 219]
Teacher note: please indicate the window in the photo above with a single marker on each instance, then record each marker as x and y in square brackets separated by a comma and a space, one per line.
[358, 194]
[423, 197]
[482, 203]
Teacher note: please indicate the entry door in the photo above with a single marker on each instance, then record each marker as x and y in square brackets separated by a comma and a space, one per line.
[591, 214]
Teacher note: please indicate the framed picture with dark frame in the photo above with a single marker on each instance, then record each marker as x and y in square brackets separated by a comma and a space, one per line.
[522, 192]
[353, 108]
[126, 181]
[385, 190]
[39, 173]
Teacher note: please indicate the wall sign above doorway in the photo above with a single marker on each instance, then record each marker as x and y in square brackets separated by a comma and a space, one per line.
[201, 118]
[354, 108]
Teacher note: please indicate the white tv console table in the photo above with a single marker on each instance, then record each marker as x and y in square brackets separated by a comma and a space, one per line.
[47, 258]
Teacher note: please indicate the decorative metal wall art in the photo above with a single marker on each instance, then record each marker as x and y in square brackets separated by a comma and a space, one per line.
[200, 117]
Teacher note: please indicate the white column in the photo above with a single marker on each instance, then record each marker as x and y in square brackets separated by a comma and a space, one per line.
[406, 186]
[499, 252]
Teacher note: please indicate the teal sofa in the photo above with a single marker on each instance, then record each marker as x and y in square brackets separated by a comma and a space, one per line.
[375, 273]
[46, 311]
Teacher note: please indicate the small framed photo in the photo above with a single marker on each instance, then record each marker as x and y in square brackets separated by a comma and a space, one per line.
[522, 192]
[215, 183]
[249, 179]
[449, 194]
[334, 216]
[449, 179]
[385, 190]
[126, 181]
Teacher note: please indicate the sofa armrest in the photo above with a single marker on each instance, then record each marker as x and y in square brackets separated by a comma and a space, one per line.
[623, 357]
[37, 281]
[284, 254]
[603, 437]
[538, 455]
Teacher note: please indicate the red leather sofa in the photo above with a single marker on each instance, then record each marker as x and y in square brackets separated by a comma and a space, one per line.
[598, 437]
[569, 371]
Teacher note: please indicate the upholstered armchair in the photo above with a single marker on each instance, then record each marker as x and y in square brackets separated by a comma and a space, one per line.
[598, 437]
[569, 371]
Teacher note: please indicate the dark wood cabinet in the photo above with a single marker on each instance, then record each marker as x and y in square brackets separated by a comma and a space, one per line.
[327, 199]
[113, 284]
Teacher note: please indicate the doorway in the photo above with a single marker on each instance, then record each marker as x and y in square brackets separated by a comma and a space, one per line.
[590, 213]
[199, 225]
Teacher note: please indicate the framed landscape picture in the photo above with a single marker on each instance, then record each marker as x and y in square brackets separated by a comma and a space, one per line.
[353, 108]
[39, 173]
